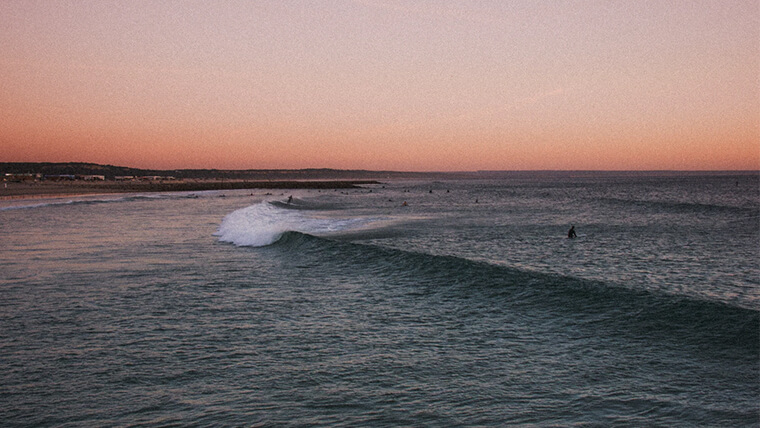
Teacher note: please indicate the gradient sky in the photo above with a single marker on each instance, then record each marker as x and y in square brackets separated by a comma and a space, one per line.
[382, 84]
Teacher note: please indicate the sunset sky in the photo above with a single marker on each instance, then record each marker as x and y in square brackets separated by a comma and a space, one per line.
[382, 84]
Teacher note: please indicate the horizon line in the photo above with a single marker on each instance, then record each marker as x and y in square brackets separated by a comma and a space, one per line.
[479, 171]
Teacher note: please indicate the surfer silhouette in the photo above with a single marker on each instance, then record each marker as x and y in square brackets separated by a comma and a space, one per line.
[571, 232]
[290, 198]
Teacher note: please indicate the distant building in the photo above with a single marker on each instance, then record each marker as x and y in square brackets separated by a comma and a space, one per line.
[156, 178]
[92, 177]
[20, 178]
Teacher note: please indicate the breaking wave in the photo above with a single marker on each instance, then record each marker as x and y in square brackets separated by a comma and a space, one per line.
[264, 224]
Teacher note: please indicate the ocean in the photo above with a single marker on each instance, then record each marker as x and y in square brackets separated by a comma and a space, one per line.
[451, 302]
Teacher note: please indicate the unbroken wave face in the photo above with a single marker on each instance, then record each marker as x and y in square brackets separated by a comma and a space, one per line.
[264, 223]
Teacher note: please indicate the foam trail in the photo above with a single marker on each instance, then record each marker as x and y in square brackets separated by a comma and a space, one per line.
[31, 206]
[82, 200]
[264, 223]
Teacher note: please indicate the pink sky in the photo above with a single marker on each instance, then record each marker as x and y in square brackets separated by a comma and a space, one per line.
[382, 84]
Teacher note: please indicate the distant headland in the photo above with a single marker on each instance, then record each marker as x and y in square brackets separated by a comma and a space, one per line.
[39, 179]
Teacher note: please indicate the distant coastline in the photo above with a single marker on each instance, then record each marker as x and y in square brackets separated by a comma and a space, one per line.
[110, 172]
[44, 179]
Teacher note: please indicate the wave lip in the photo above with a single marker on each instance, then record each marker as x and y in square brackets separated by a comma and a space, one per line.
[264, 224]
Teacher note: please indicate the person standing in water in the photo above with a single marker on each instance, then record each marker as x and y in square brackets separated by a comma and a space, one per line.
[571, 232]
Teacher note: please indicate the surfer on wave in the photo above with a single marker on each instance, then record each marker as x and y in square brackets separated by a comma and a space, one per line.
[571, 232]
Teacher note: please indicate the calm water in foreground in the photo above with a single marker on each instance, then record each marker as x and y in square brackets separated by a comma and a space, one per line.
[470, 306]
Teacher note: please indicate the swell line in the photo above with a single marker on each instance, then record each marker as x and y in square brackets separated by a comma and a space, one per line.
[639, 314]
[680, 207]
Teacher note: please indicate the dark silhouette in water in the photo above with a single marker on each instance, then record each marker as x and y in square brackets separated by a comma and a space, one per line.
[571, 232]
[290, 198]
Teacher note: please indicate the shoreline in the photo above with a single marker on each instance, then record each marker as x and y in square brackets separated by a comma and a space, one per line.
[32, 190]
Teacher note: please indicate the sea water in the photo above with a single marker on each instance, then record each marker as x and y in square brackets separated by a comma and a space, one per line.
[406, 303]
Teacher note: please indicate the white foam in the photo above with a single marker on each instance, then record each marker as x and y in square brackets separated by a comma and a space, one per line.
[263, 224]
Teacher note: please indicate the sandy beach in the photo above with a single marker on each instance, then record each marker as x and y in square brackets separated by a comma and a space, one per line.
[13, 190]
